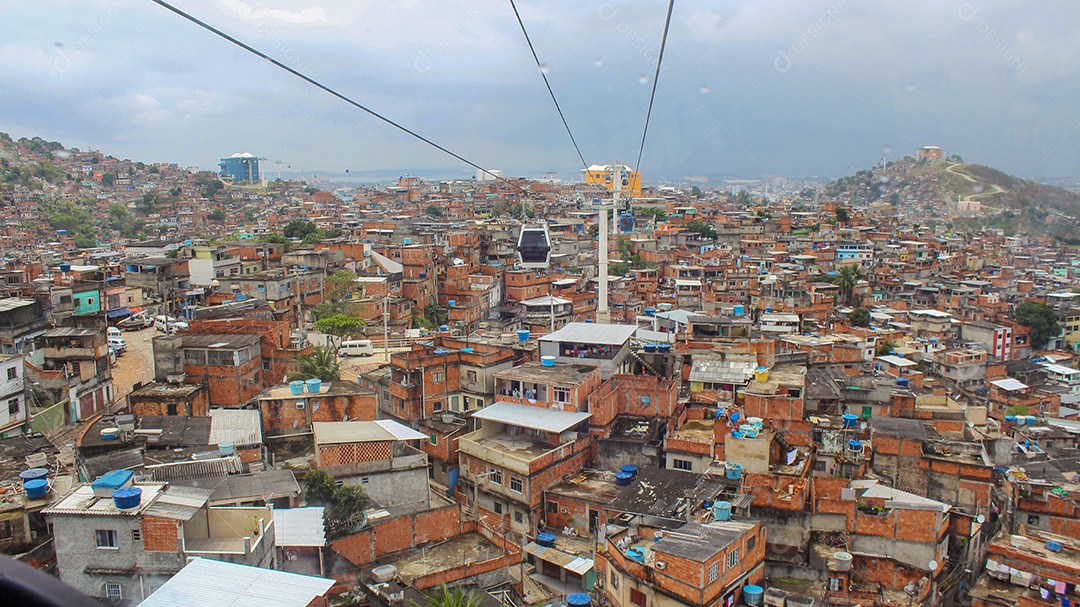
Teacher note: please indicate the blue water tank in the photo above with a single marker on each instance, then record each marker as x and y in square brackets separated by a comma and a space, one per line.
[630, 469]
[1031, 420]
[740, 310]
[408, 241]
[33, 474]
[663, 348]
[546, 539]
[733, 471]
[903, 382]
[523, 335]
[114, 479]
[850, 420]
[722, 511]
[313, 385]
[65, 267]
[753, 595]
[225, 449]
[578, 599]
[127, 498]
[623, 479]
[451, 302]
[296, 387]
[650, 348]
[467, 350]
[1010, 419]
[854, 446]
[36, 489]
[650, 311]
[1053, 546]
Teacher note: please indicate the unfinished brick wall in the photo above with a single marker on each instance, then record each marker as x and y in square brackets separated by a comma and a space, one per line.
[402, 533]
[160, 534]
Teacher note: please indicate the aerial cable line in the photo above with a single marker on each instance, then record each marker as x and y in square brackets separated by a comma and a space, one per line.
[322, 86]
[543, 74]
[659, 61]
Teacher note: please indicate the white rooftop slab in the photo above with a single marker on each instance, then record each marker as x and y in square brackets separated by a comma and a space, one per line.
[929, 312]
[533, 418]
[896, 361]
[872, 488]
[1009, 384]
[1060, 370]
[236, 426]
[545, 300]
[328, 433]
[592, 333]
[207, 582]
[299, 526]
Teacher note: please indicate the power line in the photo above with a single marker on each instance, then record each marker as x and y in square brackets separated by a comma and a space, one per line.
[543, 74]
[316, 83]
[659, 61]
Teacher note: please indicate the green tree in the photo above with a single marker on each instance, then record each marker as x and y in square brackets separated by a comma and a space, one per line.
[216, 215]
[703, 229]
[859, 317]
[847, 278]
[434, 211]
[340, 326]
[443, 596]
[312, 237]
[322, 364]
[298, 228]
[108, 179]
[884, 347]
[655, 212]
[841, 215]
[743, 199]
[344, 505]
[1041, 320]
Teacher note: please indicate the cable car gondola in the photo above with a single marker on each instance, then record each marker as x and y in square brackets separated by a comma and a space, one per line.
[534, 247]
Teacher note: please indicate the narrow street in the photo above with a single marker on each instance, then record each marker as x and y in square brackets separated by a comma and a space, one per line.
[136, 365]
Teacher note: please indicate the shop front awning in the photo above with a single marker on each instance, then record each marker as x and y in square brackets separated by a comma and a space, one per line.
[118, 313]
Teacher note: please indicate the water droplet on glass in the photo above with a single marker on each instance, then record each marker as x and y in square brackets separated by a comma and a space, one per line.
[643, 79]
[704, 89]
[910, 87]
[544, 68]
[887, 149]
[598, 62]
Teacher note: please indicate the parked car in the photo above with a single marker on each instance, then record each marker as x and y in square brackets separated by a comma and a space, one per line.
[168, 324]
[118, 345]
[112, 332]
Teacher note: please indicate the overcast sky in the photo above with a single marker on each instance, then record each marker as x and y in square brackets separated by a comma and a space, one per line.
[784, 87]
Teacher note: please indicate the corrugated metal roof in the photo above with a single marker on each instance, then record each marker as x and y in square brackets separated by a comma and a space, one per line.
[592, 333]
[83, 501]
[206, 582]
[328, 433]
[722, 371]
[534, 418]
[299, 527]
[236, 426]
[1009, 384]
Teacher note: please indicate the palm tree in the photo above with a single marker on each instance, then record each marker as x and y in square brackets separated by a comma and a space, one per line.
[322, 363]
[444, 596]
[847, 278]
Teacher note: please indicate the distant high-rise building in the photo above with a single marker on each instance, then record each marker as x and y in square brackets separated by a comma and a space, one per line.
[492, 175]
[242, 168]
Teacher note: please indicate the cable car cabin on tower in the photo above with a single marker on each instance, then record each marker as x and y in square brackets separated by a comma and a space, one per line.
[534, 248]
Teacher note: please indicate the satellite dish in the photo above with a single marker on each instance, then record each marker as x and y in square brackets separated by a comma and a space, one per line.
[980, 519]
[932, 565]
[862, 426]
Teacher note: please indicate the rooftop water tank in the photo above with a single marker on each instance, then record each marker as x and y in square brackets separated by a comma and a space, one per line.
[630, 469]
[761, 374]
[296, 387]
[1051, 545]
[740, 310]
[663, 348]
[547, 361]
[842, 561]
[36, 489]
[753, 595]
[33, 474]
[225, 449]
[903, 382]
[650, 311]
[850, 420]
[578, 599]
[313, 385]
[127, 498]
[546, 539]
[722, 511]
[650, 347]
[383, 573]
[733, 471]
[467, 350]
[623, 479]
[523, 335]
[451, 302]
[109, 433]
[1011, 419]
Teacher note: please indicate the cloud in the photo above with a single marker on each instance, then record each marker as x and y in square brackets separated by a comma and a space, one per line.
[246, 11]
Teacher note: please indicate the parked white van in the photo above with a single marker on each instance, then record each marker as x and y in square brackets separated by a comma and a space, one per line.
[168, 324]
[356, 347]
[113, 333]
